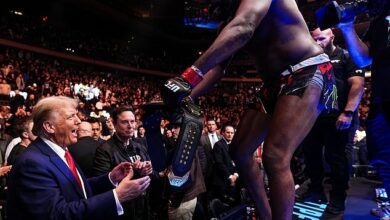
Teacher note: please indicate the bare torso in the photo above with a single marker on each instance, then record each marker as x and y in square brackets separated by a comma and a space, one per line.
[281, 39]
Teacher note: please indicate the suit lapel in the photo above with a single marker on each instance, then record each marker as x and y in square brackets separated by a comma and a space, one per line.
[64, 169]
[60, 164]
[207, 143]
[226, 146]
[87, 188]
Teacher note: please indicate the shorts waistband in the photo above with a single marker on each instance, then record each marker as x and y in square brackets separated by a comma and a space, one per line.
[321, 58]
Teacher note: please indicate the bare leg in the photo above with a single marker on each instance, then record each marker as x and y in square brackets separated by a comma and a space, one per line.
[250, 134]
[292, 120]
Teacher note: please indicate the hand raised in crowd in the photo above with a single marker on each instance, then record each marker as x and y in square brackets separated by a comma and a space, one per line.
[144, 168]
[129, 189]
[121, 171]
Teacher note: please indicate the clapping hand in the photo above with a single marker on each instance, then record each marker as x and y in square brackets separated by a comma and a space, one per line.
[121, 171]
[144, 168]
[129, 189]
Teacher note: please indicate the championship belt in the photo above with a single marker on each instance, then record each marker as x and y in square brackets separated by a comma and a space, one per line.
[152, 114]
[187, 142]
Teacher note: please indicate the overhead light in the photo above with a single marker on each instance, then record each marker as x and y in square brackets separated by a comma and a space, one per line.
[16, 12]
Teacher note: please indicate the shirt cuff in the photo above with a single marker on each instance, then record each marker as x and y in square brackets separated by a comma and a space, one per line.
[119, 207]
[236, 174]
[112, 182]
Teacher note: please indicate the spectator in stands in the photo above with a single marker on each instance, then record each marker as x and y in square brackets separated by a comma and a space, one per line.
[96, 130]
[20, 84]
[83, 151]
[225, 178]
[208, 140]
[45, 181]
[141, 138]
[24, 130]
[120, 148]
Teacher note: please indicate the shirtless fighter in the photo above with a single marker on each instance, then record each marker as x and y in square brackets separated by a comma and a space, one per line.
[298, 85]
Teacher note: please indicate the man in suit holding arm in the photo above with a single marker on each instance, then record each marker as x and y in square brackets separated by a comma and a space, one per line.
[45, 183]
[226, 176]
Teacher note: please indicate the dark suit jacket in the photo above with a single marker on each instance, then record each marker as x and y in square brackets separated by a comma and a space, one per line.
[223, 165]
[205, 142]
[41, 186]
[83, 152]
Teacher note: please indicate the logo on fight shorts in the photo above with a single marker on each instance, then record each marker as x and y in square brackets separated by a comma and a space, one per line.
[172, 86]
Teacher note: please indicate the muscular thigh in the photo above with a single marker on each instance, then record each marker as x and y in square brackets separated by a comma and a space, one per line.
[250, 133]
[292, 120]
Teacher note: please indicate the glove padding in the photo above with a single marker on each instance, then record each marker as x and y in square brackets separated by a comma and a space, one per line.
[188, 140]
[174, 91]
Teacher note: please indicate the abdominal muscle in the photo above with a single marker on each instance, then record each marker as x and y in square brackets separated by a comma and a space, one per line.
[282, 39]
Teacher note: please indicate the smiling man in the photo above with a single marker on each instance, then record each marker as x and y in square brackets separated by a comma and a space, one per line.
[45, 182]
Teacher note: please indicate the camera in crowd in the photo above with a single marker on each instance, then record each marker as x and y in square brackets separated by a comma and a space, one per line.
[332, 13]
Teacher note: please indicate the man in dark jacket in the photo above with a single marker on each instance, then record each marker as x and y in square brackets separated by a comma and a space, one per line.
[83, 151]
[120, 148]
[225, 176]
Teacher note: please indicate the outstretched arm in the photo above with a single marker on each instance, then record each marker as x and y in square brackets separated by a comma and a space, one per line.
[235, 35]
[358, 50]
[232, 38]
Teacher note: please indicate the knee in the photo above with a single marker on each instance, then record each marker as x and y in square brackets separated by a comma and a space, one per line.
[276, 161]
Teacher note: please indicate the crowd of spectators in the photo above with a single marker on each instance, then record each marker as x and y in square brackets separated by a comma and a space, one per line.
[32, 76]
[42, 32]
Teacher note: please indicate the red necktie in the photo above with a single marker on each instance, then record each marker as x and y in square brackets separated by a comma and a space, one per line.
[72, 167]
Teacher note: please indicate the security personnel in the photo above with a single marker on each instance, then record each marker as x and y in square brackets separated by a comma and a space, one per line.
[334, 130]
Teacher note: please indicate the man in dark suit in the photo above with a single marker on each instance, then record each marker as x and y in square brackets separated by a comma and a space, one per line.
[225, 176]
[45, 183]
[207, 141]
[83, 151]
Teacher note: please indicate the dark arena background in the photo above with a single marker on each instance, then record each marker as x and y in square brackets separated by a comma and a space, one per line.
[108, 53]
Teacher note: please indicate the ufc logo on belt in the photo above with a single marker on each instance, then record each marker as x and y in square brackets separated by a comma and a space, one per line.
[172, 86]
